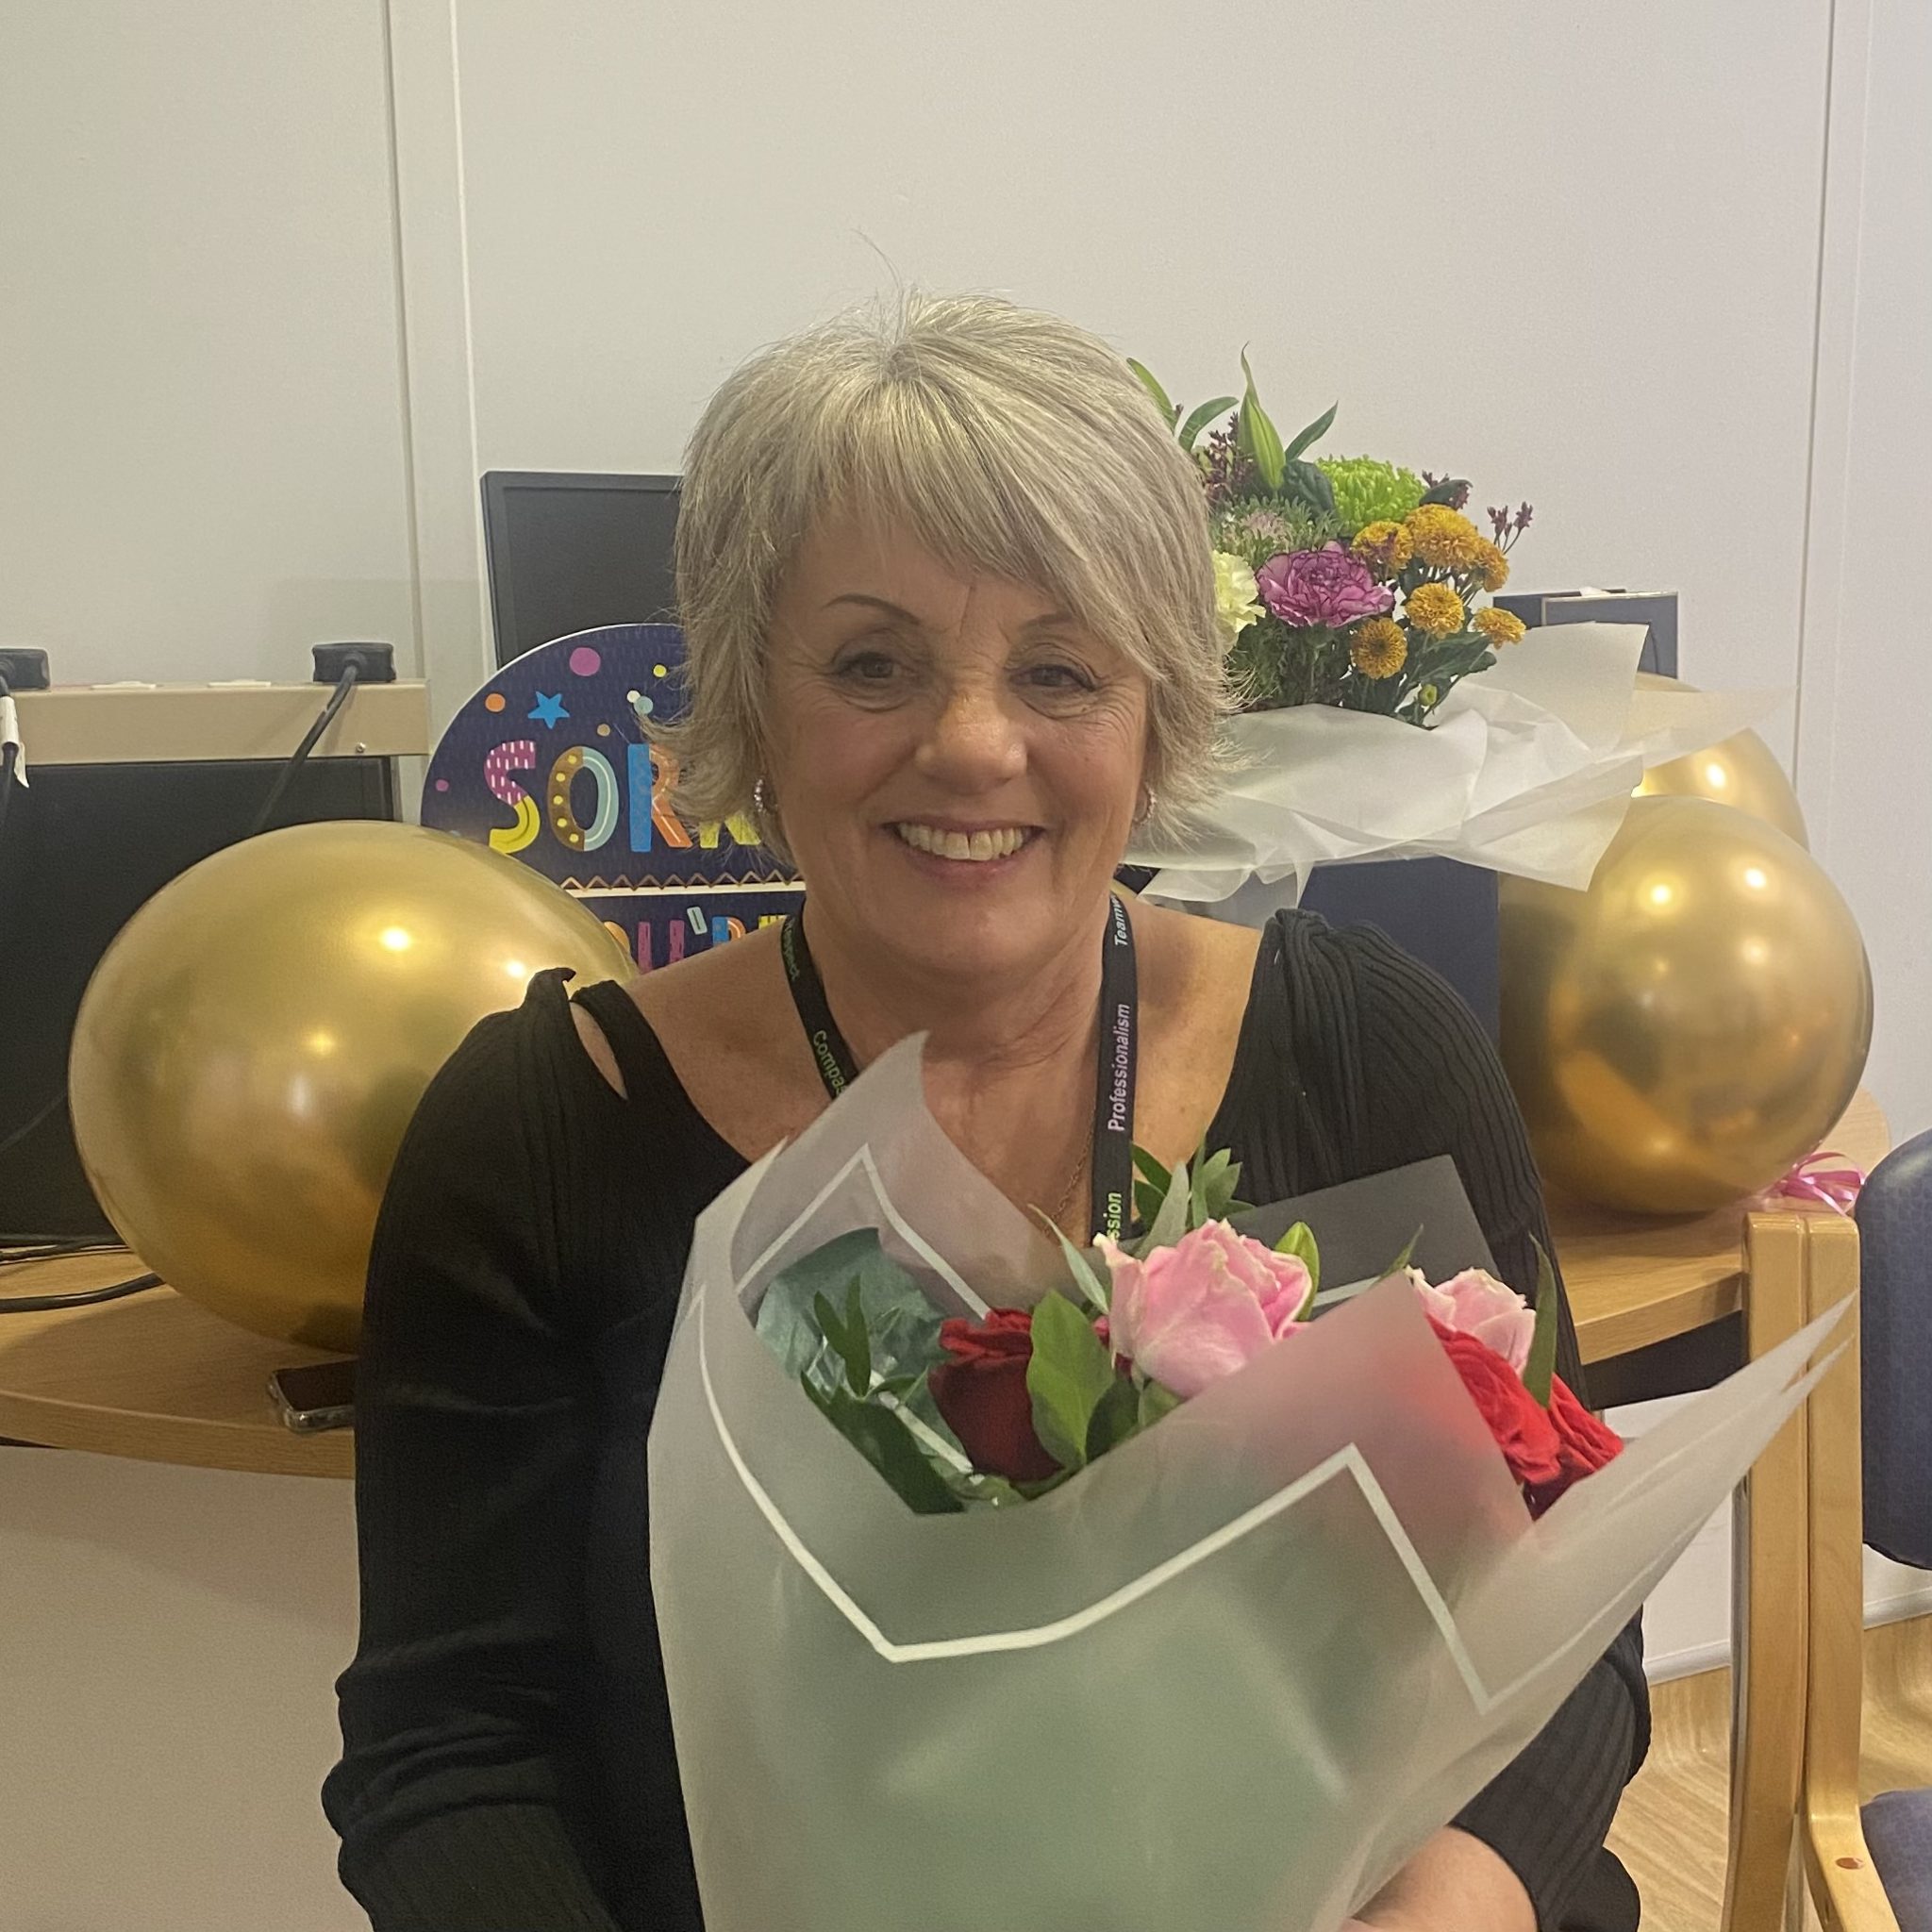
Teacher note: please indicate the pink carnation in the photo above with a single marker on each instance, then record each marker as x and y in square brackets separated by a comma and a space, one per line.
[1322, 587]
[1204, 1309]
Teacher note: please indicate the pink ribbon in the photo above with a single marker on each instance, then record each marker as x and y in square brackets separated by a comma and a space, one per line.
[1819, 1186]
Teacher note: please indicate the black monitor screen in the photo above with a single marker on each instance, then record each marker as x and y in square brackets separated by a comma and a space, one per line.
[86, 846]
[570, 551]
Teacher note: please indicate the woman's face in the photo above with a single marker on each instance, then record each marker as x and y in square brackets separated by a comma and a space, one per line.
[955, 763]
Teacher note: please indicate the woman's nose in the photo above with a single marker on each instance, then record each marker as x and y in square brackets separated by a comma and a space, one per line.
[974, 740]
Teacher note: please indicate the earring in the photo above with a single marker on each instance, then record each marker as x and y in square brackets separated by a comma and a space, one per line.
[1146, 811]
[761, 799]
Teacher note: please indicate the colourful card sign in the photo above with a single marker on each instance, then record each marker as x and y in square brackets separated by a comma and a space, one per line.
[549, 762]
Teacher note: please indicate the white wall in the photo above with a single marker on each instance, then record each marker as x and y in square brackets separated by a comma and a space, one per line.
[1571, 255]
[1864, 772]
[201, 418]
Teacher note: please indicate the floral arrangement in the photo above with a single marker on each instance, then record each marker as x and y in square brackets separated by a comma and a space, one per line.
[956, 1414]
[1342, 580]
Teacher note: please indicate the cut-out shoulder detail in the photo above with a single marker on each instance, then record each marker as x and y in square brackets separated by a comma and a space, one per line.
[597, 1044]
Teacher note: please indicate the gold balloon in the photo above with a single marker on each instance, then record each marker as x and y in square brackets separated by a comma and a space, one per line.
[254, 1043]
[1740, 771]
[1693, 1025]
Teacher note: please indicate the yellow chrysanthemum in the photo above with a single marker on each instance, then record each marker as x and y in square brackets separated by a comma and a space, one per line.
[1490, 566]
[1379, 649]
[1443, 538]
[1435, 608]
[1384, 547]
[1500, 626]
[1235, 596]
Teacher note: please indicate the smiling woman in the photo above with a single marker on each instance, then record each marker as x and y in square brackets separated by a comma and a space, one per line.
[1001, 443]
[951, 633]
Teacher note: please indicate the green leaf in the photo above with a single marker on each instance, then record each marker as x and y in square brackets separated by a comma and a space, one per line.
[1313, 433]
[1308, 483]
[1172, 1221]
[1222, 1177]
[1539, 1370]
[1151, 384]
[1086, 1277]
[1205, 414]
[1070, 1371]
[846, 1333]
[1152, 1191]
[1256, 437]
[902, 1326]
[1446, 491]
[970, 1487]
[1116, 1416]
[1156, 1400]
[888, 1444]
[1300, 1243]
[1403, 1259]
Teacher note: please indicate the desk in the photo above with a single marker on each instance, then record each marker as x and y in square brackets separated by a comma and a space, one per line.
[156, 1378]
[152, 1377]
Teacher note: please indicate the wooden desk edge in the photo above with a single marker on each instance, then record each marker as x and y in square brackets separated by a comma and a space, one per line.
[1618, 1331]
[246, 1450]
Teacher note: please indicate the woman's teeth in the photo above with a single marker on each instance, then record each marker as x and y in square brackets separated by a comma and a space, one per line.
[1002, 844]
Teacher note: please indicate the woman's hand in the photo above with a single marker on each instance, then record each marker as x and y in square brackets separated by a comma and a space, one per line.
[1454, 1883]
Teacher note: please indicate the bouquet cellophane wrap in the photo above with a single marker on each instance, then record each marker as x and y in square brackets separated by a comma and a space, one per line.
[1227, 1676]
[1527, 769]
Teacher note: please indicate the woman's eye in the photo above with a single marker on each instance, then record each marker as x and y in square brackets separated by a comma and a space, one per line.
[869, 667]
[1058, 677]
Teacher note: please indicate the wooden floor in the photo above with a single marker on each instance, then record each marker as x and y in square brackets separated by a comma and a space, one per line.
[1671, 1829]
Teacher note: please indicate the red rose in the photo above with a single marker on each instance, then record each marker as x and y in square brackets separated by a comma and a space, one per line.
[982, 1394]
[1583, 1446]
[1521, 1428]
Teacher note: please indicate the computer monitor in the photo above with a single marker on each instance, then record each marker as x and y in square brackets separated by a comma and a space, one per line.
[569, 552]
[84, 847]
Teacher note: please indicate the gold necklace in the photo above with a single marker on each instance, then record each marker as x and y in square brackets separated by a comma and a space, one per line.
[1065, 1205]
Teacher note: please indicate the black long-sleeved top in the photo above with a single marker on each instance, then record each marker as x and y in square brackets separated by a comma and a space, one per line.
[509, 1764]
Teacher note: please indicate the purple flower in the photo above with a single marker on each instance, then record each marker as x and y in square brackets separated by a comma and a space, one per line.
[1322, 587]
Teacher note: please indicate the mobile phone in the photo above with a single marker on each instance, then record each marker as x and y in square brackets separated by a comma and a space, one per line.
[320, 1395]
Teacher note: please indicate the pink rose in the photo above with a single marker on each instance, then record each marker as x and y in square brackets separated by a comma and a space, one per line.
[1473, 1303]
[1322, 587]
[1204, 1309]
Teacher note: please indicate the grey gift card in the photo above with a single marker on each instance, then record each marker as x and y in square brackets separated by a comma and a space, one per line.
[1363, 1225]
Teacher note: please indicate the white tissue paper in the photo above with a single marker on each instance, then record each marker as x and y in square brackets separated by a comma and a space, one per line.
[1528, 769]
[1230, 1675]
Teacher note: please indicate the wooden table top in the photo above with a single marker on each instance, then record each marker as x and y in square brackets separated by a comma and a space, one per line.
[156, 1378]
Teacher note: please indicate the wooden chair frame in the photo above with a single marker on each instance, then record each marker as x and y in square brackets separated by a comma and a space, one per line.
[1844, 1885]
[1770, 1556]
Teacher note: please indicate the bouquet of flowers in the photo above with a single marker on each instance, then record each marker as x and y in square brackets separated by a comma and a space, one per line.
[1220, 1624]
[1349, 591]
[1004, 1407]
[1342, 580]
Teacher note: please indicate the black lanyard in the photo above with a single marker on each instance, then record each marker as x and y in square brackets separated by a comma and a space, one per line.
[1112, 1205]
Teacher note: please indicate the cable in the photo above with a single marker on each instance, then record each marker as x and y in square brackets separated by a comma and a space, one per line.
[337, 699]
[38, 1120]
[19, 1254]
[84, 1298]
[11, 748]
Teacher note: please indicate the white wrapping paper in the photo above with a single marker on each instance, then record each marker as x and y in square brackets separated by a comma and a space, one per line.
[1230, 1675]
[1528, 769]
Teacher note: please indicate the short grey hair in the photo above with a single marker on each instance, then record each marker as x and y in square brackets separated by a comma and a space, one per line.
[1001, 438]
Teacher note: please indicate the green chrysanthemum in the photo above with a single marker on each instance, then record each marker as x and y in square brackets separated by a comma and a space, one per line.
[1368, 491]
